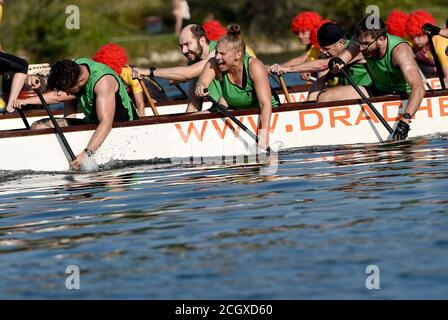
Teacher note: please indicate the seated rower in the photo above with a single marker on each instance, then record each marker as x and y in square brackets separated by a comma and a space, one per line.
[97, 89]
[391, 65]
[303, 25]
[432, 30]
[396, 24]
[425, 59]
[214, 30]
[11, 63]
[197, 48]
[243, 80]
[332, 42]
[116, 58]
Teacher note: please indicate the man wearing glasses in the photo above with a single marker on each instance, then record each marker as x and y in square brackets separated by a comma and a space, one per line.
[391, 65]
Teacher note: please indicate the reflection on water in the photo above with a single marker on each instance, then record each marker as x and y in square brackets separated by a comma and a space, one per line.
[307, 231]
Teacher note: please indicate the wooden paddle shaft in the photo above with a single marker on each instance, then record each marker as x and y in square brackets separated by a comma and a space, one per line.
[285, 89]
[148, 96]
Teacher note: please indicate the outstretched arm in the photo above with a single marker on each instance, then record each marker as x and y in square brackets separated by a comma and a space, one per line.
[403, 57]
[310, 66]
[105, 91]
[208, 74]
[50, 98]
[263, 91]
[444, 32]
[351, 53]
[318, 65]
[183, 73]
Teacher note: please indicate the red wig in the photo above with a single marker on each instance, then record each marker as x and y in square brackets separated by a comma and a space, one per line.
[214, 30]
[304, 21]
[416, 20]
[396, 23]
[113, 56]
[313, 34]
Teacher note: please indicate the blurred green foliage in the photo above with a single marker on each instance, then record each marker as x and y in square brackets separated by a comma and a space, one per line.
[36, 28]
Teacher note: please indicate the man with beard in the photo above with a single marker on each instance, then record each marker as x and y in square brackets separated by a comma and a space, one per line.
[391, 65]
[195, 46]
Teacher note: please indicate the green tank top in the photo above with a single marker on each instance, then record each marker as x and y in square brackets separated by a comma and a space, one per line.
[242, 97]
[357, 72]
[214, 88]
[387, 77]
[87, 98]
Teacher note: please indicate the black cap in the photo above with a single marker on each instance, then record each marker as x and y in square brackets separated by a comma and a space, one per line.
[329, 33]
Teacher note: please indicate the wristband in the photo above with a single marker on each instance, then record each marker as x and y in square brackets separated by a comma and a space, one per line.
[88, 152]
[151, 71]
[407, 116]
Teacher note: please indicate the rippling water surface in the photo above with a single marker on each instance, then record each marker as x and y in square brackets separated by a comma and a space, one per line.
[307, 231]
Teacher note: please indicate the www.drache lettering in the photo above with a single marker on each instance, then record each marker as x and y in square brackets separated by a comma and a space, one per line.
[309, 120]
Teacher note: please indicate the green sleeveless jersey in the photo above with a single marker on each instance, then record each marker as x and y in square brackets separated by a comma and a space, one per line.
[357, 72]
[242, 97]
[87, 97]
[214, 88]
[387, 77]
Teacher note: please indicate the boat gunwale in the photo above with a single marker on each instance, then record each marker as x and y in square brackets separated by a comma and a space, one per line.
[172, 102]
[184, 117]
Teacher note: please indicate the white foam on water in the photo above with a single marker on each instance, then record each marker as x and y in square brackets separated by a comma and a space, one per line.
[88, 164]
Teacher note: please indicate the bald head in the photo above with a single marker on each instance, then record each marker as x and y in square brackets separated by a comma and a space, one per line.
[195, 31]
[192, 42]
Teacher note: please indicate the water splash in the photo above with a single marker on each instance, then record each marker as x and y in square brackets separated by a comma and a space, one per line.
[89, 164]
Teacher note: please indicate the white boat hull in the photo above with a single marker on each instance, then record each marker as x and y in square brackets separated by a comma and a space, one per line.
[181, 137]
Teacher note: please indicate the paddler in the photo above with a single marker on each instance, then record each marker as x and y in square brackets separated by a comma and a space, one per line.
[436, 31]
[12, 63]
[332, 41]
[242, 79]
[425, 59]
[98, 90]
[303, 25]
[197, 48]
[392, 68]
[115, 57]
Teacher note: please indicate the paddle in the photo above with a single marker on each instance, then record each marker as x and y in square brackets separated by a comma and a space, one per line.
[285, 89]
[182, 91]
[336, 60]
[437, 62]
[428, 86]
[273, 78]
[25, 121]
[224, 110]
[55, 123]
[148, 96]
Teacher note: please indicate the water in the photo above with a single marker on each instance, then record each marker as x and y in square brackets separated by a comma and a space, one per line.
[226, 232]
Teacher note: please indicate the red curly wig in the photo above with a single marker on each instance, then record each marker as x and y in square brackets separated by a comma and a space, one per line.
[416, 20]
[214, 30]
[113, 56]
[304, 21]
[313, 34]
[396, 23]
